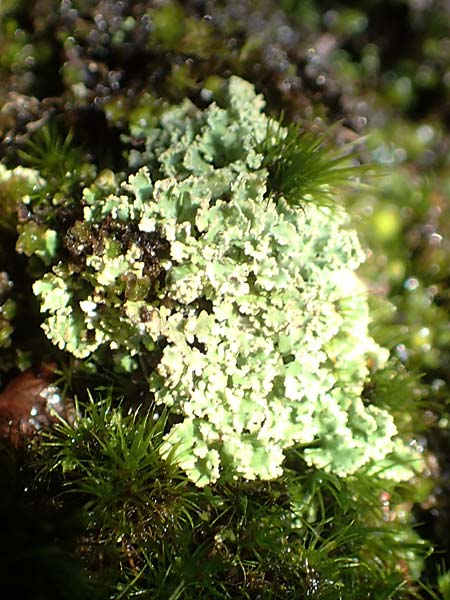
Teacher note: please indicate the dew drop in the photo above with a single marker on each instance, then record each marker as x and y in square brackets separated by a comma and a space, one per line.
[402, 352]
[321, 80]
[435, 239]
[411, 284]
[206, 94]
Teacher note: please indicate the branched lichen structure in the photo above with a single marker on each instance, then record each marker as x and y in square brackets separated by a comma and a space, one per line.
[248, 308]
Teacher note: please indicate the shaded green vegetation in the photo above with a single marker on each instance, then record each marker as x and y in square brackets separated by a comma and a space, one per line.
[38, 537]
[154, 533]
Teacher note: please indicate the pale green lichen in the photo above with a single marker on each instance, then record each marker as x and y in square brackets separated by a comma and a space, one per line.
[7, 310]
[37, 239]
[252, 306]
[15, 187]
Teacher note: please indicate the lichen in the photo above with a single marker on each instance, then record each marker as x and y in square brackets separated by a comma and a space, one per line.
[249, 307]
[7, 310]
[15, 185]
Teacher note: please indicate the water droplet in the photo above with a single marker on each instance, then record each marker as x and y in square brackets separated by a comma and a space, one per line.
[400, 155]
[361, 121]
[206, 95]
[435, 239]
[285, 34]
[330, 18]
[402, 352]
[321, 79]
[425, 133]
[411, 284]
[437, 385]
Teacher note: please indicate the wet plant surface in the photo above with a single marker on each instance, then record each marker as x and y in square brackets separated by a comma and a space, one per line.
[75, 77]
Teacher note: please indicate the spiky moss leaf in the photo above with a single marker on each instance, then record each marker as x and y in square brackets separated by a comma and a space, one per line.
[59, 162]
[303, 168]
[252, 307]
[111, 460]
[444, 585]
[255, 538]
